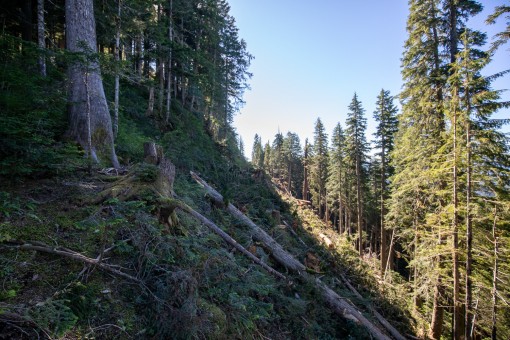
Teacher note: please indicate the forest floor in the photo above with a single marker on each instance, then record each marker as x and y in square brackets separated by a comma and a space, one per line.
[191, 284]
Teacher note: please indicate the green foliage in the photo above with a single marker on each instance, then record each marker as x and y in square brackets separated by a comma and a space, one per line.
[146, 172]
[33, 114]
[54, 315]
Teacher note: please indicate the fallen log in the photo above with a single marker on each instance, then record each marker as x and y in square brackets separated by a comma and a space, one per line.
[336, 303]
[282, 256]
[226, 237]
[303, 202]
[41, 247]
[395, 333]
[293, 232]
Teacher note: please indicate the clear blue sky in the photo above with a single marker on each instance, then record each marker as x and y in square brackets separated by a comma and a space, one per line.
[311, 56]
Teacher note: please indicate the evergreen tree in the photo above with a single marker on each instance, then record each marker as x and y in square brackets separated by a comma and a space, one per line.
[501, 38]
[267, 158]
[277, 160]
[89, 119]
[292, 155]
[318, 168]
[356, 155]
[257, 153]
[306, 160]
[477, 169]
[336, 183]
[385, 115]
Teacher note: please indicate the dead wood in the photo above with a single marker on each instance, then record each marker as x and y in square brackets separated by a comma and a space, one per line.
[336, 303]
[303, 202]
[276, 250]
[293, 232]
[227, 238]
[396, 334]
[41, 247]
[327, 241]
[20, 323]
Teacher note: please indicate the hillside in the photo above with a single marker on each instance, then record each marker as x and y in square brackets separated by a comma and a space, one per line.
[129, 209]
[191, 284]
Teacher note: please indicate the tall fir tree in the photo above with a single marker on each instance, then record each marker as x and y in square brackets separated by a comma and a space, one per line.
[356, 156]
[257, 153]
[318, 168]
[386, 116]
[336, 183]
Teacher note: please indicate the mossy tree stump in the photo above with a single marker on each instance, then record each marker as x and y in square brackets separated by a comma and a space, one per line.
[151, 180]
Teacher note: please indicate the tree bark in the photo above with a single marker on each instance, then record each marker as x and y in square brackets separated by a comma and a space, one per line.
[495, 273]
[169, 65]
[457, 305]
[81, 38]
[41, 42]
[115, 122]
[436, 324]
[359, 208]
[384, 232]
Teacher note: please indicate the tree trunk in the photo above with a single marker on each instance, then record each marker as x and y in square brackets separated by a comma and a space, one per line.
[359, 209]
[306, 187]
[457, 305]
[436, 324]
[81, 37]
[41, 36]
[138, 55]
[469, 239]
[495, 273]
[150, 106]
[384, 232]
[169, 65]
[115, 122]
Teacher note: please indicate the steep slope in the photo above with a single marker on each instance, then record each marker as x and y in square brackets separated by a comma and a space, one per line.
[186, 282]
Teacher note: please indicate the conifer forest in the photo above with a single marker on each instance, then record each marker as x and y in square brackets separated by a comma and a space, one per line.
[129, 209]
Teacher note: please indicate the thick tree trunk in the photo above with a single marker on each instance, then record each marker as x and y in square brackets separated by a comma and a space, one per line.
[85, 86]
[227, 238]
[436, 324]
[393, 331]
[41, 41]
[258, 234]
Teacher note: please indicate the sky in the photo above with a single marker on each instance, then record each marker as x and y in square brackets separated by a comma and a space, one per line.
[312, 56]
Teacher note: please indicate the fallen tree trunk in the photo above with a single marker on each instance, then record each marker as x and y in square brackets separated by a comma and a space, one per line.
[337, 303]
[293, 232]
[282, 256]
[227, 238]
[396, 334]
